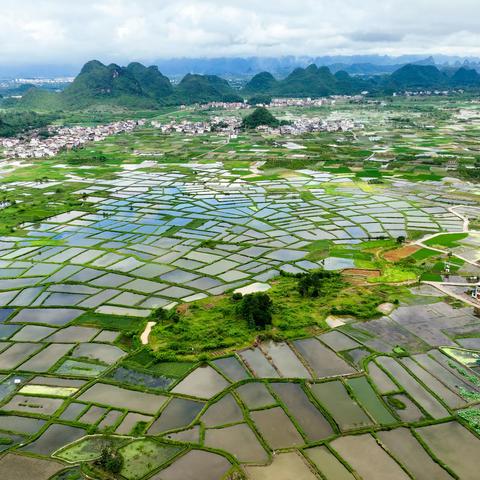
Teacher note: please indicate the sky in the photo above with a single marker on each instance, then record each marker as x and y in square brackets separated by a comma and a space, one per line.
[74, 31]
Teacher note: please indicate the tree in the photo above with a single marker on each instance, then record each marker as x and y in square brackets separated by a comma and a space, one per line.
[256, 309]
[110, 460]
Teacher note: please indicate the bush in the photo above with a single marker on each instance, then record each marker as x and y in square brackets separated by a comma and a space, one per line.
[396, 403]
[256, 309]
[319, 282]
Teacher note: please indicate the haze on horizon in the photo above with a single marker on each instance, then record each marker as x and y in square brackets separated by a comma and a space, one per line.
[56, 32]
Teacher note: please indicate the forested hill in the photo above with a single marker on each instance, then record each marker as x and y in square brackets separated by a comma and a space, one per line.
[316, 82]
[137, 86]
[15, 123]
[134, 86]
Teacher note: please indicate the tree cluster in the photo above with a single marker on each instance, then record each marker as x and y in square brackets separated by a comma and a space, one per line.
[319, 283]
[110, 460]
[256, 309]
[14, 123]
[260, 117]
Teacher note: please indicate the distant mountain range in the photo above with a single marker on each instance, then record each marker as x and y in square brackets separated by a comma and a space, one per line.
[238, 67]
[137, 86]
[316, 81]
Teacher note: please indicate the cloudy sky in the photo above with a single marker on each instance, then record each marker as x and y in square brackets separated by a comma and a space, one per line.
[72, 31]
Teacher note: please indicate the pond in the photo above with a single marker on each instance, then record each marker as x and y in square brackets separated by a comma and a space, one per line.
[196, 465]
[238, 440]
[276, 428]
[203, 382]
[455, 446]
[232, 368]
[223, 412]
[366, 396]
[328, 464]
[367, 458]
[410, 453]
[105, 394]
[307, 416]
[345, 411]
[285, 361]
[180, 412]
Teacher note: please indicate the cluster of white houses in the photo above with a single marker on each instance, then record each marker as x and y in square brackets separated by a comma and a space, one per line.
[301, 102]
[231, 125]
[303, 125]
[278, 102]
[62, 138]
[228, 125]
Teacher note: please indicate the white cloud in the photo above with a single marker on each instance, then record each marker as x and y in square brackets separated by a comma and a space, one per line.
[57, 31]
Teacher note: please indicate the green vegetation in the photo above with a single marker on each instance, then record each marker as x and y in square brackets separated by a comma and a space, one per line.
[472, 417]
[141, 457]
[471, 378]
[423, 254]
[172, 229]
[110, 461]
[260, 117]
[256, 310]
[396, 403]
[132, 87]
[216, 325]
[14, 123]
[319, 283]
[29, 205]
[110, 322]
[448, 240]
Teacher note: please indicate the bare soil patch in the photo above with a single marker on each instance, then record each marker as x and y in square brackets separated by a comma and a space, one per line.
[361, 272]
[400, 253]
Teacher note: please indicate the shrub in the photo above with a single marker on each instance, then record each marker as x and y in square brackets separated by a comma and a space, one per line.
[319, 282]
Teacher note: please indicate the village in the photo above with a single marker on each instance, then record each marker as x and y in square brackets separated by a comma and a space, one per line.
[62, 138]
[54, 139]
[231, 126]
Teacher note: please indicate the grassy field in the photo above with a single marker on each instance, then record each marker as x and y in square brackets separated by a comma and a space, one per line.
[213, 325]
[448, 240]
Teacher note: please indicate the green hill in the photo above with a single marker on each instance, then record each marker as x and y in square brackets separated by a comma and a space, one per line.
[204, 88]
[140, 87]
[134, 86]
[151, 81]
[13, 123]
[98, 83]
[306, 82]
[260, 117]
[418, 76]
[263, 82]
[39, 100]
[465, 77]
